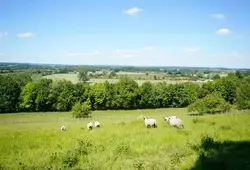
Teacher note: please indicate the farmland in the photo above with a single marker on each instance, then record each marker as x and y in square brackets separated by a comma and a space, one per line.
[73, 78]
[34, 141]
[34, 108]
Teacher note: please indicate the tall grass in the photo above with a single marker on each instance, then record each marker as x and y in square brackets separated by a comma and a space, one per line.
[123, 141]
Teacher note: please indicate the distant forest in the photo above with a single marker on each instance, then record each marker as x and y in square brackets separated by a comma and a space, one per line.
[59, 68]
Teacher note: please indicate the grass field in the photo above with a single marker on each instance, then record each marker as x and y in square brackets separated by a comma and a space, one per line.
[34, 141]
[73, 79]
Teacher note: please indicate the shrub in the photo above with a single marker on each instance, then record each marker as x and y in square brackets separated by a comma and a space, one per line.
[212, 103]
[81, 110]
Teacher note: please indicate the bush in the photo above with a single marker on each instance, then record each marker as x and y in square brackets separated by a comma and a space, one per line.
[243, 94]
[80, 110]
[210, 104]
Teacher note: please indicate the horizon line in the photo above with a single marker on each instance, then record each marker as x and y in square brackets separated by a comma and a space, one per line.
[120, 65]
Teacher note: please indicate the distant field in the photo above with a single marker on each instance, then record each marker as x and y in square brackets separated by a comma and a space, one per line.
[130, 73]
[73, 79]
[70, 77]
[34, 141]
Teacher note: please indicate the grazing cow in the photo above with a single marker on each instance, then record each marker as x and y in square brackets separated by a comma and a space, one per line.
[63, 128]
[150, 122]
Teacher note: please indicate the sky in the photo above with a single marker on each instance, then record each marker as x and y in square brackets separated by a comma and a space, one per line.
[211, 33]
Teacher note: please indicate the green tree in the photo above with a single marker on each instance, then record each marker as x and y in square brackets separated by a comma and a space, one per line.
[109, 87]
[80, 110]
[230, 84]
[243, 94]
[125, 94]
[63, 95]
[179, 95]
[44, 99]
[9, 94]
[200, 74]
[206, 88]
[80, 92]
[83, 74]
[216, 77]
[239, 74]
[147, 96]
[28, 97]
[98, 96]
[160, 93]
[112, 74]
[22, 78]
[212, 103]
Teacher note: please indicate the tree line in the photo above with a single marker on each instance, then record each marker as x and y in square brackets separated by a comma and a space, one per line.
[22, 93]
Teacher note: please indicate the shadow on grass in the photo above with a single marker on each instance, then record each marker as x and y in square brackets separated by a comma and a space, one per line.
[226, 155]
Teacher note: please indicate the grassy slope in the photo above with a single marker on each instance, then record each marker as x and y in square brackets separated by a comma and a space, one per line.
[123, 142]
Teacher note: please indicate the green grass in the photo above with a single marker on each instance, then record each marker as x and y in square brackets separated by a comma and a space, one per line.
[34, 140]
[73, 79]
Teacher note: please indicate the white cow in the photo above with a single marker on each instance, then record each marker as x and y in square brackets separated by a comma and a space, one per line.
[63, 128]
[150, 122]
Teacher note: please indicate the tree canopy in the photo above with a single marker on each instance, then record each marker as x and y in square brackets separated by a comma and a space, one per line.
[30, 95]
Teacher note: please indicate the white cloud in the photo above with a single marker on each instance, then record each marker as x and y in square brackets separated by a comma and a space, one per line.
[219, 16]
[223, 31]
[133, 11]
[26, 35]
[3, 34]
[191, 49]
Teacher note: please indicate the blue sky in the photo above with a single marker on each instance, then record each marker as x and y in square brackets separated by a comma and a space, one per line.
[129, 32]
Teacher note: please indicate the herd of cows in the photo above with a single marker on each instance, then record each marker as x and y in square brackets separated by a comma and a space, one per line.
[149, 122]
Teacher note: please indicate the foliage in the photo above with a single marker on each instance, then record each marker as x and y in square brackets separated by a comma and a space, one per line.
[43, 99]
[210, 104]
[148, 99]
[47, 95]
[225, 87]
[63, 94]
[22, 78]
[28, 97]
[98, 96]
[80, 110]
[216, 77]
[243, 94]
[83, 74]
[125, 94]
[112, 74]
[9, 94]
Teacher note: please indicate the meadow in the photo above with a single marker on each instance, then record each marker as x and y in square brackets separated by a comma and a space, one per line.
[138, 77]
[34, 141]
